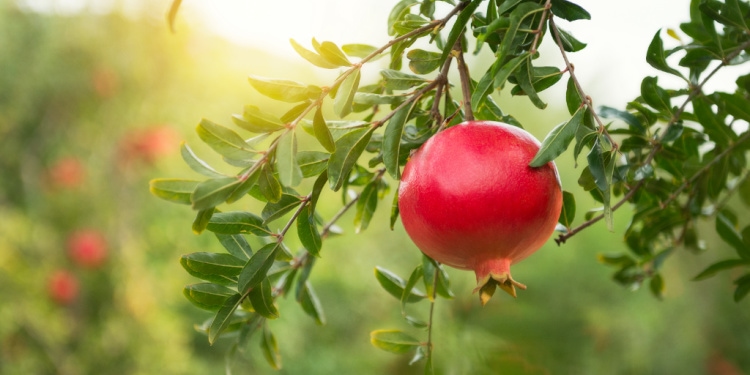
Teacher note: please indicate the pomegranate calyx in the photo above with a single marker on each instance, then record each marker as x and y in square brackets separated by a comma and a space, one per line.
[486, 286]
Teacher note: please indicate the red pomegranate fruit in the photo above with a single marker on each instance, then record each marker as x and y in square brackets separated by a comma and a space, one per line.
[469, 199]
[87, 248]
[62, 287]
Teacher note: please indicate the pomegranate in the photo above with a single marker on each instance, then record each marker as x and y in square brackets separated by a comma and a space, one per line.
[62, 287]
[469, 199]
[87, 248]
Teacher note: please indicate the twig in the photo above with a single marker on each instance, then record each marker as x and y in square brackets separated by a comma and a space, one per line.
[538, 31]
[694, 92]
[571, 70]
[442, 79]
[432, 313]
[463, 71]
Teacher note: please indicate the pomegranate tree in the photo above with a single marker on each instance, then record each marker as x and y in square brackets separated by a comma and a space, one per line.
[469, 199]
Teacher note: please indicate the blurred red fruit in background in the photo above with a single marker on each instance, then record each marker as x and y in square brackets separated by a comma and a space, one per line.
[67, 172]
[149, 144]
[87, 248]
[62, 287]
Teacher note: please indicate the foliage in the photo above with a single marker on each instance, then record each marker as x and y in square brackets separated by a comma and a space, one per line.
[677, 156]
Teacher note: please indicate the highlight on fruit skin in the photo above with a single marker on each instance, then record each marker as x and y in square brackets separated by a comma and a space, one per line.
[469, 199]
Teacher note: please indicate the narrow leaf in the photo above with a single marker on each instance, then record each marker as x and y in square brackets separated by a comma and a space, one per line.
[569, 11]
[348, 149]
[262, 300]
[290, 173]
[366, 205]
[342, 104]
[283, 90]
[331, 52]
[270, 348]
[727, 232]
[307, 231]
[558, 140]
[173, 190]
[743, 288]
[211, 193]
[720, 266]
[458, 28]
[236, 244]
[208, 296]
[237, 222]
[255, 120]
[393, 341]
[395, 285]
[223, 317]
[196, 164]
[269, 185]
[655, 96]
[312, 163]
[656, 58]
[224, 141]
[392, 140]
[218, 268]
[202, 218]
[312, 57]
[568, 213]
[311, 304]
[257, 267]
[275, 210]
[322, 133]
[395, 80]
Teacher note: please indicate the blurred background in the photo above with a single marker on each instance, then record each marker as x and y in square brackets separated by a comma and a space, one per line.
[95, 98]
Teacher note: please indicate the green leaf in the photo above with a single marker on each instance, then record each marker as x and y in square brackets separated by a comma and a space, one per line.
[458, 28]
[208, 296]
[656, 58]
[558, 140]
[311, 304]
[416, 275]
[224, 141]
[573, 97]
[366, 205]
[211, 193]
[262, 300]
[505, 71]
[568, 213]
[196, 164]
[714, 127]
[423, 62]
[485, 86]
[395, 285]
[720, 266]
[395, 80]
[655, 96]
[269, 185]
[173, 190]
[202, 218]
[257, 267]
[523, 76]
[371, 99]
[737, 105]
[322, 133]
[743, 288]
[307, 231]
[744, 191]
[290, 173]
[284, 90]
[394, 209]
[657, 286]
[601, 165]
[331, 52]
[342, 103]
[295, 112]
[245, 185]
[275, 210]
[237, 222]
[521, 12]
[358, 50]
[312, 163]
[392, 140]
[223, 317]
[569, 11]
[627, 117]
[312, 57]
[348, 149]
[218, 268]
[393, 341]
[236, 244]
[318, 186]
[254, 120]
[431, 268]
[569, 42]
[270, 348]
[726, 230]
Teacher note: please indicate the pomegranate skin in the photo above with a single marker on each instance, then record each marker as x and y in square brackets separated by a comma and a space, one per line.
[469, 199]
